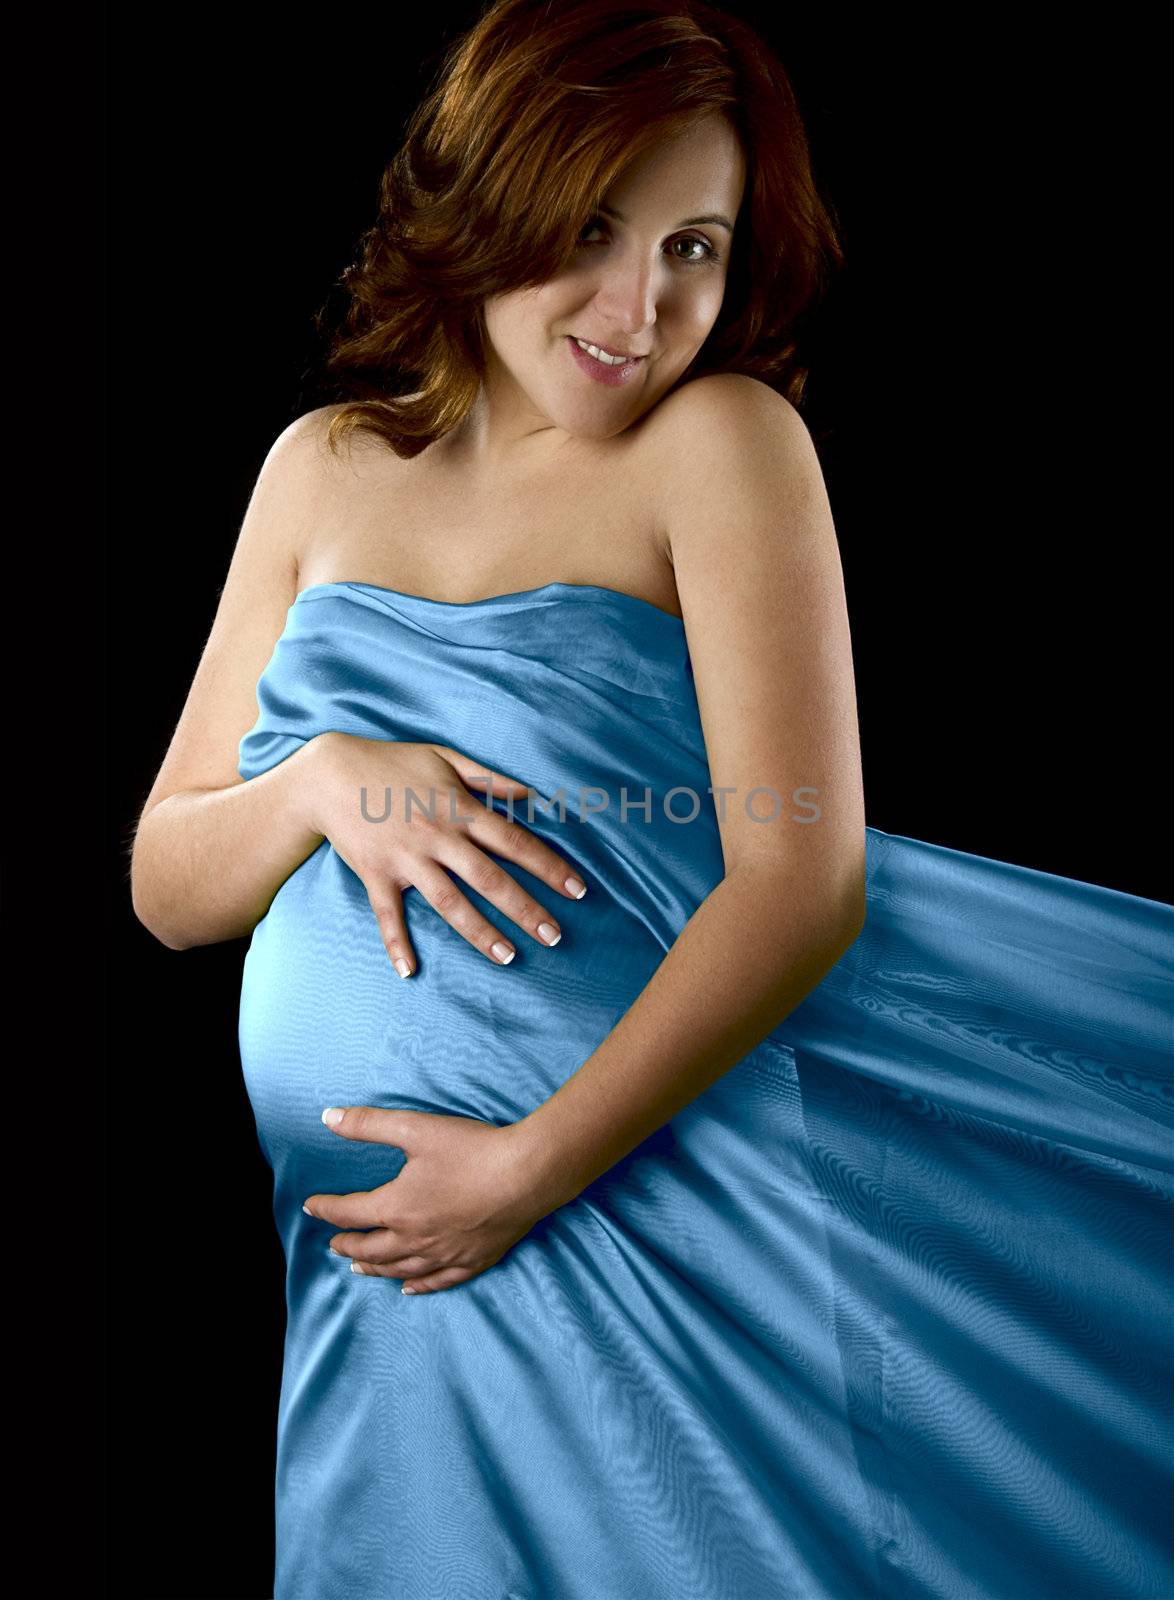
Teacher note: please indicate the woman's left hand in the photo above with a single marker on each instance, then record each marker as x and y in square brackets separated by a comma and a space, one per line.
[455, 1207]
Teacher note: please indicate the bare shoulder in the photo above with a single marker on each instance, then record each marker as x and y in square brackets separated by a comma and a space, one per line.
[731, 401]
[711, 423]
[306, 478]
[304, 445]
[728, 445]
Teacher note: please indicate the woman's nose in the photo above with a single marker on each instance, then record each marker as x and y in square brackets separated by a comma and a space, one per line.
[628, 296]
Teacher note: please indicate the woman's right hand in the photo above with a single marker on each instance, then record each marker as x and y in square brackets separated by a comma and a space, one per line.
[408, 848]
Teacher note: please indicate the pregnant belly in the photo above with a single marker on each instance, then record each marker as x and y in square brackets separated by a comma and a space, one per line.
[326, 1020]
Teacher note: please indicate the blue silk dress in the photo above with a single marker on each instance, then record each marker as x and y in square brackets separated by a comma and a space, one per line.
[880, 1314]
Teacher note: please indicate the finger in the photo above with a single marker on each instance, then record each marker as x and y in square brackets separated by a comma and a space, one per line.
[388, 905]
[358, 1210]
[476, 772]
[403, 1268]
[437, 1280]
[379, 1247]
[459, 912]
[508, 838]
[493, 883]
[514, 841]
[374, 1124]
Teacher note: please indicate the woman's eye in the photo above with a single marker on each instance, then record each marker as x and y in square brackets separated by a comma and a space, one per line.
[707, 251]
[710, 254]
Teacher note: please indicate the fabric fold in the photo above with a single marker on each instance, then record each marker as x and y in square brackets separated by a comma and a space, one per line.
[880, 1314]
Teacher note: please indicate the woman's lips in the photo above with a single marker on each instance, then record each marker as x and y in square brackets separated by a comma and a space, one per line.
[599, 370]
[608, 350]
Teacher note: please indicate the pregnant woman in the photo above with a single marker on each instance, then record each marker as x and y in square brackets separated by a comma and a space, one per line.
[779, 1206]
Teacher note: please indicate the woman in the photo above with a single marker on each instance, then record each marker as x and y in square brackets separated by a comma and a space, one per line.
[756, 1245]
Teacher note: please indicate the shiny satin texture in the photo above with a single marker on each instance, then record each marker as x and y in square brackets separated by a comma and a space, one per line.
[880, 1314]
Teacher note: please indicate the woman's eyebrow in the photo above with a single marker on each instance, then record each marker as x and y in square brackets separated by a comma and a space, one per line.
[689, 222]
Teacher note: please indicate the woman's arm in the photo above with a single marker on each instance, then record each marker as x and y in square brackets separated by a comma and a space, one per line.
[758, 574]
[210, 851]
[751, 952]
[208, 862]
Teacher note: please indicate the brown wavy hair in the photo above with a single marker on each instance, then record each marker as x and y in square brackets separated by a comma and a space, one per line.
[534, 113]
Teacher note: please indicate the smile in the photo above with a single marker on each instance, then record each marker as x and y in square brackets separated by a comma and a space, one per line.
[603, 366]
[608, 357]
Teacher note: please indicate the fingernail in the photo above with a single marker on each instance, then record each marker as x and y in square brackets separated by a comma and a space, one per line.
[407, 1289]
[307, 1210]
[503, 953]
[575, 887]
[401, 966]
[332, 1116]
[551, 935]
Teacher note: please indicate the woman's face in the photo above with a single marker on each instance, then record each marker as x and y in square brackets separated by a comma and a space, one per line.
[646, 280]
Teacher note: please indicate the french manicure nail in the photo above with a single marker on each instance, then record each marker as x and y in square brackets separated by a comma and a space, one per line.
[551, 935]
[575, 887]
[503, 953]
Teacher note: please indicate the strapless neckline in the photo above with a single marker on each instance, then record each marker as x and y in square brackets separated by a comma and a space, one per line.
[570, 591]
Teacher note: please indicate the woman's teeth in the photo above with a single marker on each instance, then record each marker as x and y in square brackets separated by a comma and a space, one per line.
[594, 350]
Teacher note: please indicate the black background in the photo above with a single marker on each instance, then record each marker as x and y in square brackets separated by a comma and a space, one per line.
[977, 402]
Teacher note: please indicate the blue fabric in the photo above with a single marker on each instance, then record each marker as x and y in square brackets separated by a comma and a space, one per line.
[881, 1313]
